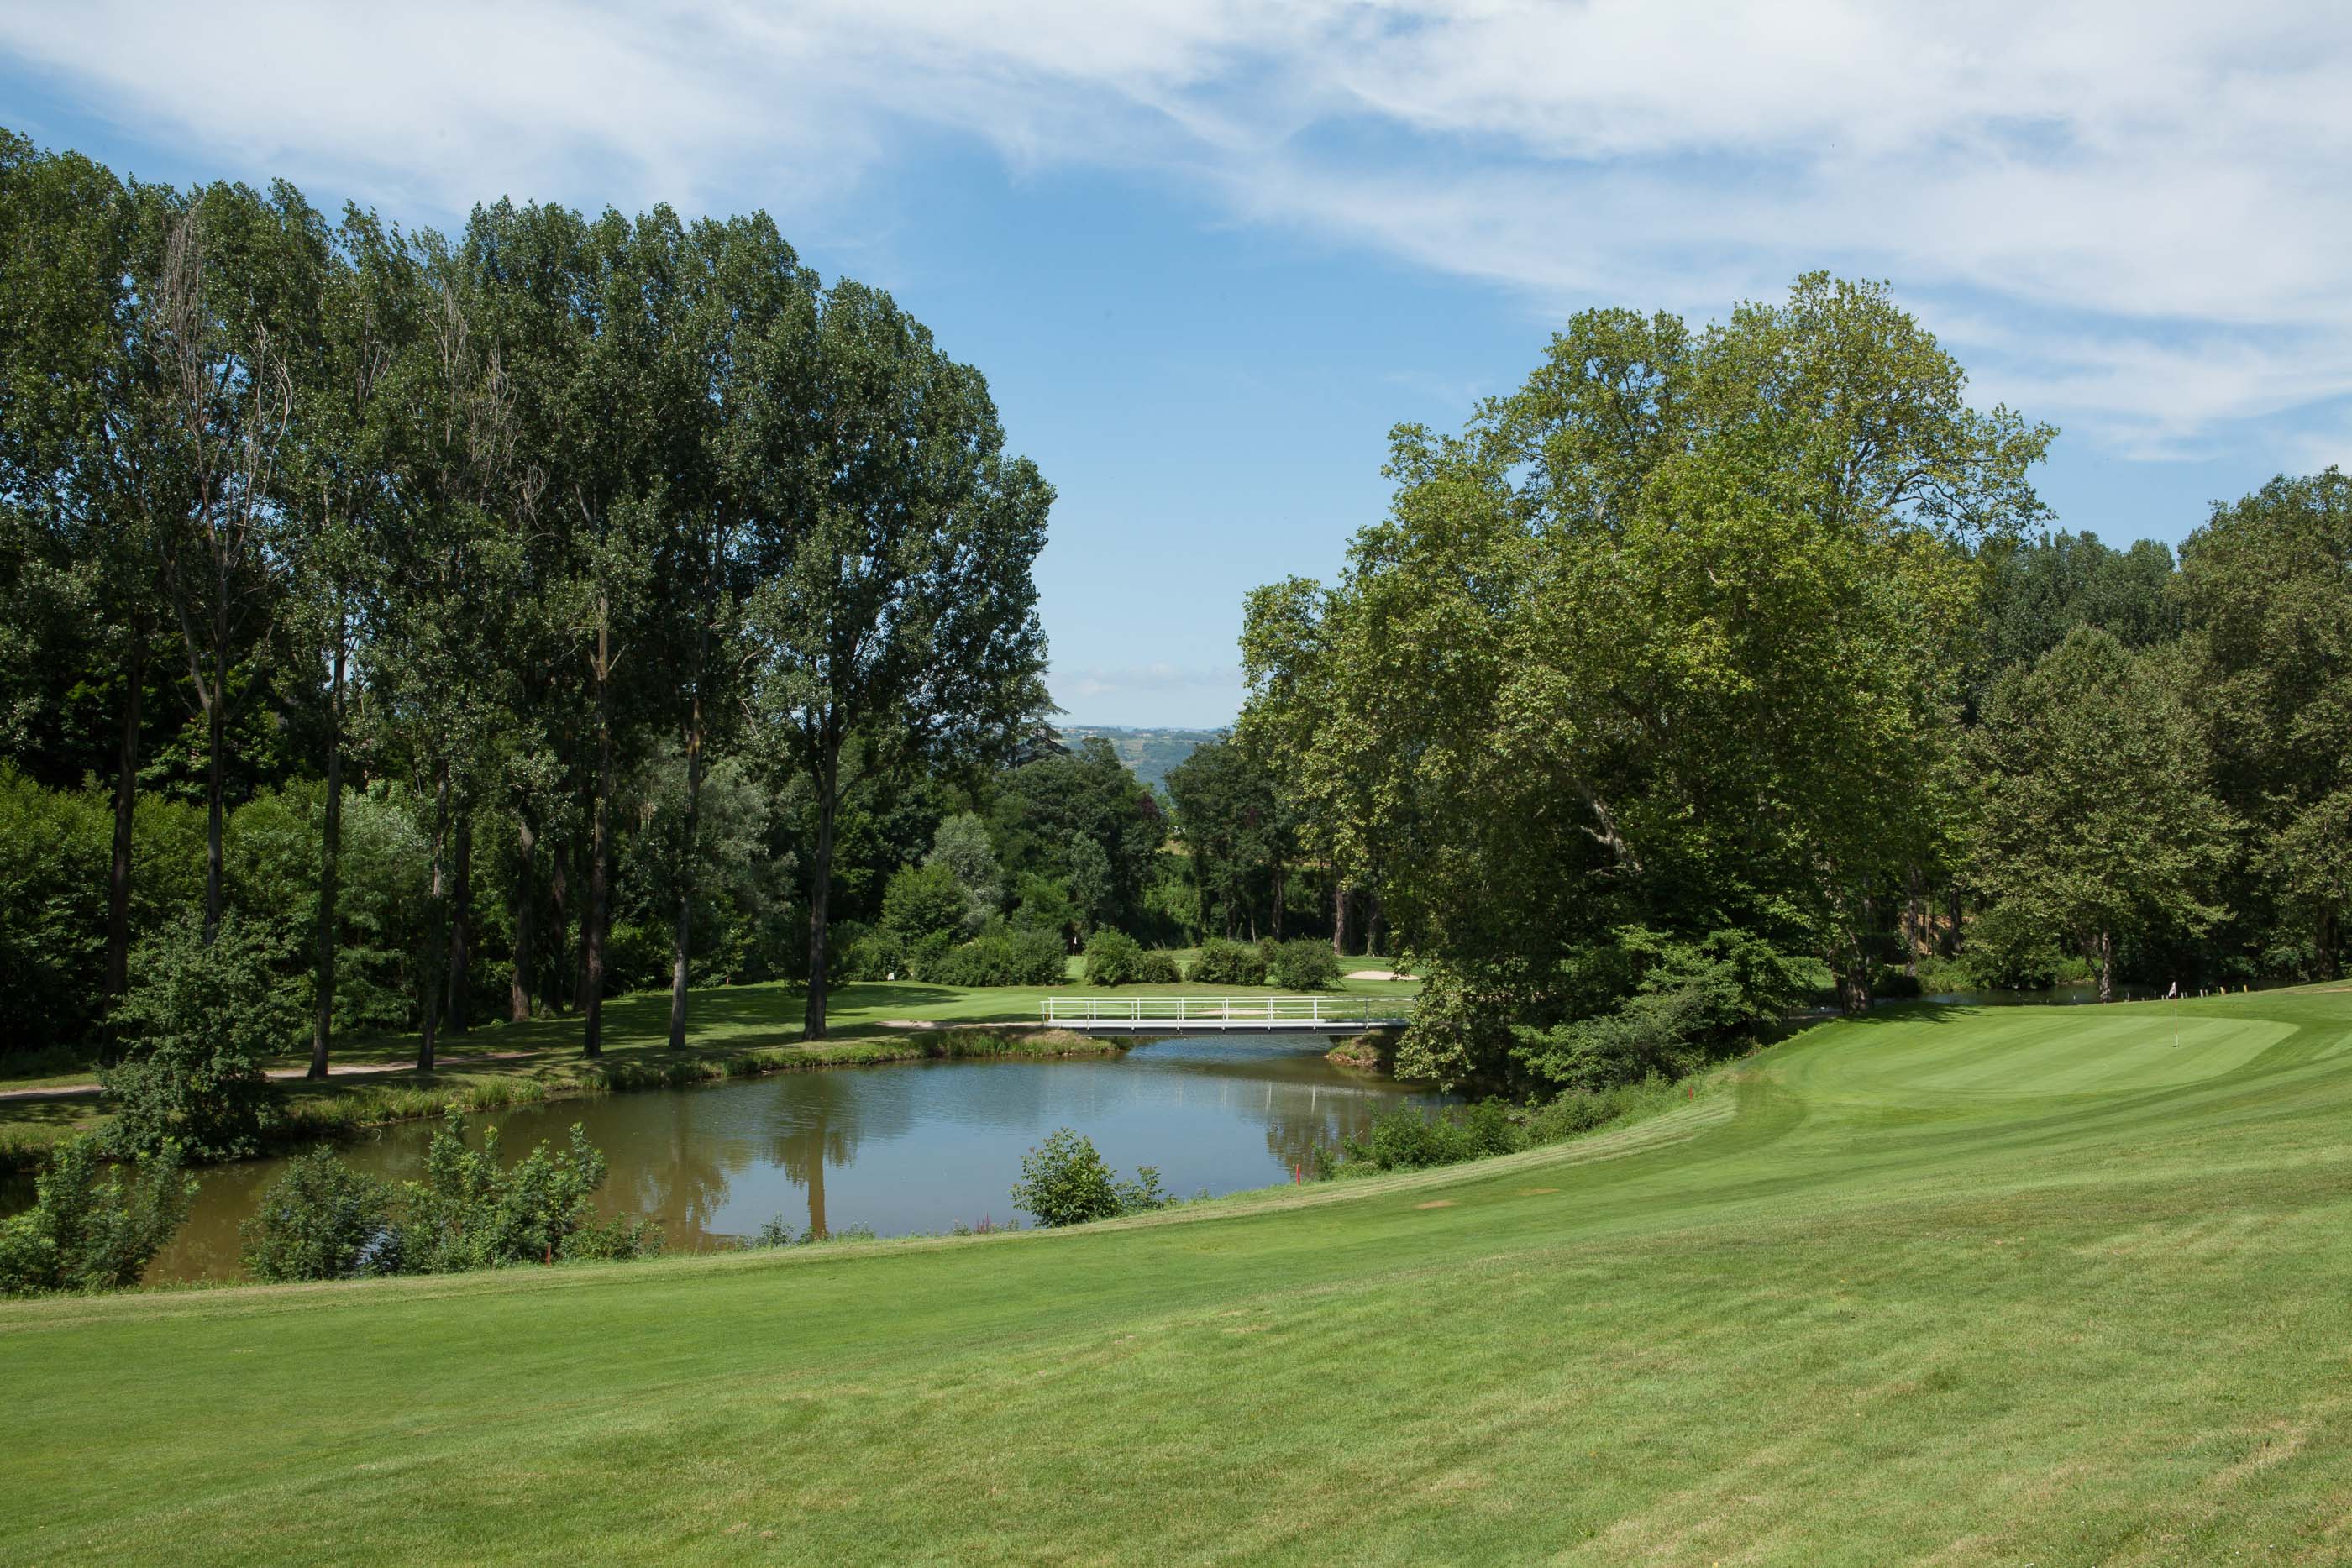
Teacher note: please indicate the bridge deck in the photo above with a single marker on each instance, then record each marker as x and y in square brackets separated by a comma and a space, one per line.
[1223, 1015]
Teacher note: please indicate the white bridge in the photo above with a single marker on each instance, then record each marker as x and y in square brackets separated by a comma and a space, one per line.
[1225, 1015]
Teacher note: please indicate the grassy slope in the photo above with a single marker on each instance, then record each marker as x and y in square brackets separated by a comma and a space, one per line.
[2025, 1285]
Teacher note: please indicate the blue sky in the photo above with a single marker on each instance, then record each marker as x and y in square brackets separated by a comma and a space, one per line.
[1208, 252]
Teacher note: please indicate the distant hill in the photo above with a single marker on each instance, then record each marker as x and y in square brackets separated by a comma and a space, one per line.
[1148, 753]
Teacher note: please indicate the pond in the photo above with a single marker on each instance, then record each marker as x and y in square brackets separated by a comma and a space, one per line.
[903, 1149]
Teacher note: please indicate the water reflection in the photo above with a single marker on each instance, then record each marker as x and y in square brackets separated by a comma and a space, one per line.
[914, 1147]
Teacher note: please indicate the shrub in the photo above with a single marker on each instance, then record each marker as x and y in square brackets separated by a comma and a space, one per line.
[1305, 965]
[1064, 1182]
[1113, 958]
[1153, 967]
[1227, 963]
[88, 1231]
[200, 1019]
[1002, 958]
[320, 1220]
[470, 1213]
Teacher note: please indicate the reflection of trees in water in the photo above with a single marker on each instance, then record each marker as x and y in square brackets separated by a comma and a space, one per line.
[822, 1121]
[681, 1175]
[1304, 1118]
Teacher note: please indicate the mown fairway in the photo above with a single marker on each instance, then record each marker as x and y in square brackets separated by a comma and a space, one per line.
[2015, 1286]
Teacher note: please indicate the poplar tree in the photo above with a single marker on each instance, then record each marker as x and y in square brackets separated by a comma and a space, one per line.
[903, 617]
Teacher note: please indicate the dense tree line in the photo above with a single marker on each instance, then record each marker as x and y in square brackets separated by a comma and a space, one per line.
[486, 617]
[1712, 664]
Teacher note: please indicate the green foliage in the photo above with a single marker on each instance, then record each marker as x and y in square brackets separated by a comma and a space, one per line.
[1406, 1138]
[1064, 1182]
[924, 901]
[1113, 958]
[961, 844]
[88, 1229]
[1224, 963]
[469, 1211]
[200, 1020]
[320, 1220]
[1303, 965]
[1081, 819]
[1001, 957]
[1673, 637]
[2096, 822]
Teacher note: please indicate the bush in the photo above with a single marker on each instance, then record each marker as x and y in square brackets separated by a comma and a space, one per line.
[320, 1220]
[1002, 958]
[1582, 1110]
[1153, 967]
[88, 1231]
[470, 1213]
[1305, 965]
[1404, 1138]
[1064, 1182]
[1113, 958]
[200, 1019]
[1227, 963]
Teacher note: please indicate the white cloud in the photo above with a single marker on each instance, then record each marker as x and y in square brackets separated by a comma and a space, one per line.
[2165, 189]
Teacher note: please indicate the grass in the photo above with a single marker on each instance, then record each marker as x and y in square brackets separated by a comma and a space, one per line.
[2012, 1286]
[735, 1032]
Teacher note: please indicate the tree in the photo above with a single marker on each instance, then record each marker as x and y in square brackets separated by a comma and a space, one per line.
[2097, 823]
[227, 314]
[344, 433]
[961, 844]
[1671, 637]
[743, 284]
[1226, 811]
[83, 450]
[2266, 591]
[905, 615]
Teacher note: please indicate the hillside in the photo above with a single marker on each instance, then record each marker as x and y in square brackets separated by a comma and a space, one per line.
[2023, 1285]
[1149, 754]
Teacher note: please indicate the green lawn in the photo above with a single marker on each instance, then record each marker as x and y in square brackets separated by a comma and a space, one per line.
[2025, 1285]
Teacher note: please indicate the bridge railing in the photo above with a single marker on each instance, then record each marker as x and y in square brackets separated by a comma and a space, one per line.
[1224, 1009]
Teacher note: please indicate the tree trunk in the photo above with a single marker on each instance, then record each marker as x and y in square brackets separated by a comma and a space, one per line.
[126, 801]
[1339, 918]
[1278, 897]
[331, 855]
[214, 786]
[559, 891]
[429, 993]
[2324, 941]
[679, 945]
[591, 999]
[526, 901]
[2106, 962]
[461, 920]
[821, 890]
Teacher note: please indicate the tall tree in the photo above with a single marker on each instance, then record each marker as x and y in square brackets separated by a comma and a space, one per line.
[2098, 824]
[744, 286]
[905, 615]
[2265, 589]
[344, 452]
[228, 313]
[83, 452]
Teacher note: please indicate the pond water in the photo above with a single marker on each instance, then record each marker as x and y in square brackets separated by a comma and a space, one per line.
[908, 1148]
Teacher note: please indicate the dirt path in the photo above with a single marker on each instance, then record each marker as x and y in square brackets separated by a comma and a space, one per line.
[334, 1069]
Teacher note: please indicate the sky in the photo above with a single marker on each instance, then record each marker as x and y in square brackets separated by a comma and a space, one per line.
[1208, 252]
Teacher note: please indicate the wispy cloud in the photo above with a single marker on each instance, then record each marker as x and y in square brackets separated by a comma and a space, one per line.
[2164, 189]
